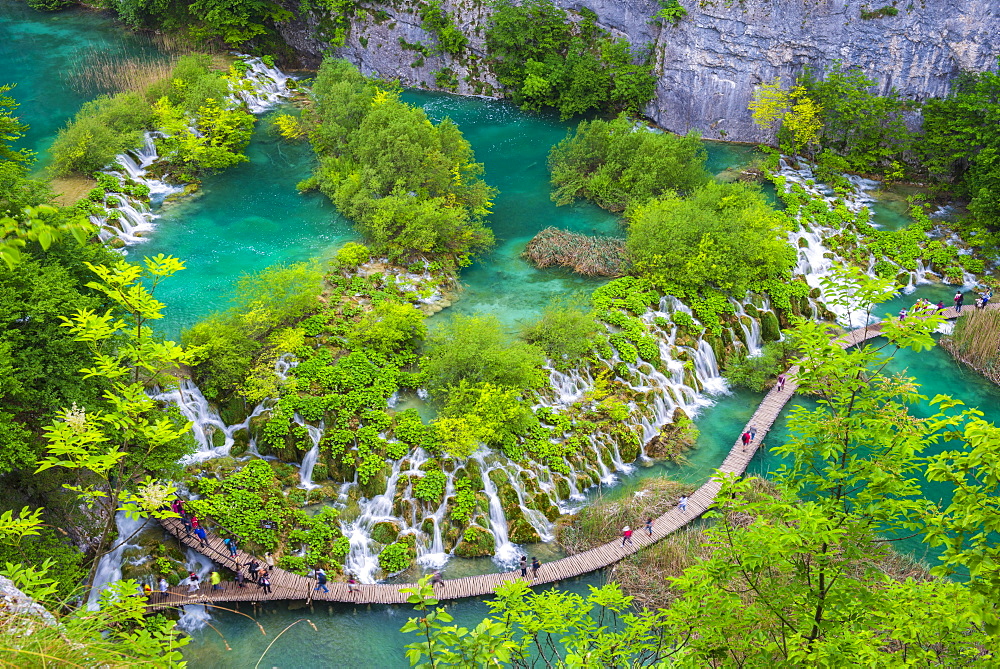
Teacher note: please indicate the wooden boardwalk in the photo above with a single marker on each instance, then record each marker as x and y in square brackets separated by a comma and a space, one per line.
[288, 586]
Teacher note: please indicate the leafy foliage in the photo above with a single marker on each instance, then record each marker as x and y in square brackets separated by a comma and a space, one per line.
[542, 59]
[565, 332]
[616, 164]
[961, 143]
[724, 235]
[475, 349]
[438, 22]
[411, 186]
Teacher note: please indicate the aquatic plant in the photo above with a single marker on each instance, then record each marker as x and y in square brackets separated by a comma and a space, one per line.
[585, 254]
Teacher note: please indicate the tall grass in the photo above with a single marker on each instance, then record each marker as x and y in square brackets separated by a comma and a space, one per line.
[976, 342]
[584, 254]
[603, 520]
[118, 73]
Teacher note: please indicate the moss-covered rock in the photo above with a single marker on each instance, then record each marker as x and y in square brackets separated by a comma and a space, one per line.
[769, 327]
[218, 438]
[562, 487]
[543, 503]
[385, 532]
[241, 442]
[674, 438]
[476, 542]
[320, 472]
[521, 532]
[376, 484]
[474, 474]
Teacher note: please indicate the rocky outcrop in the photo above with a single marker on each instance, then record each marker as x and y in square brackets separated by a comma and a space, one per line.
[709, 64]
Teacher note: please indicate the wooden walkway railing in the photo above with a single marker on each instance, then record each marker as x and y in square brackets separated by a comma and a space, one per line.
[286, 585]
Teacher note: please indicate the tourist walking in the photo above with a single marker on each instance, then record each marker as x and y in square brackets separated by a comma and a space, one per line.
[959, 299]
[216, 580]
[352, 584]
[753, 433]
[147, 591]
[262, 574]
[187, 525]
[535, 566]
[194, 522]
[193, 582]
[252, 570]
[265, 584]
[902, 314]
[321, 581]
[231, 545]
[269, 560]
[649, 526]
[164, 588]
[745, 438]
[241, 580]
[202, 536]
[626, 535]
[682, 503]
[940, 306]
[986, 295]
[781, 382]
[436, 579]
[524, 566]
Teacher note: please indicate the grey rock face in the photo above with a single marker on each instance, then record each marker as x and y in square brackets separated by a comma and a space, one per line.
[710, 63]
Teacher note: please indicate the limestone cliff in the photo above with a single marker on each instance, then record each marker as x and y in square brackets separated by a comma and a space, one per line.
[709, 64]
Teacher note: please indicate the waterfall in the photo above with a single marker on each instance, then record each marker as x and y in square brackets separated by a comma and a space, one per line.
[361, 560]
[506, 554]
[193, 406]
[535, 518]
[751, 332]
[109, 568]
[262, 87]
[309, 460]
[196, 616]
[434, 556]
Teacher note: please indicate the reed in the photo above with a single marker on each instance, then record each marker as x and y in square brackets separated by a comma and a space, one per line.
[118, 73]
[976, 342]
[603, 520]
[584, 254]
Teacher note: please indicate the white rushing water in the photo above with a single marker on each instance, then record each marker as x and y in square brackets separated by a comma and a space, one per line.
[129, 219]
[109, 568]
[196, 616]
[506, 554]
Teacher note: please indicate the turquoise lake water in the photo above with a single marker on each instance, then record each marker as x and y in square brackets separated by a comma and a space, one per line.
[251, 217]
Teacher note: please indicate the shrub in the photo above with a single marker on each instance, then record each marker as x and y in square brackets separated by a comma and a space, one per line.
[475, 349]
[724, 235]
[352, 254]
[388, 327]
[616, 164]
[758, 373]
[565, 332]
[394, 558]
[102, 129]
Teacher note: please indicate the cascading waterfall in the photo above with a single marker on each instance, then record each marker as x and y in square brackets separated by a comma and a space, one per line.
[261, 87]
[109, 568]
[309, 460]
[434, 556]
[361, 560]
[505, 554]
[751, 331]
[196, 616]
[193, 406]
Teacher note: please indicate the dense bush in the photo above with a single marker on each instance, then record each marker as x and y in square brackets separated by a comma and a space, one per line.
[961, 144]
[543, 59]
[759, 372]
[438, 22]
[102, 129]
[475, 349]
[565, 332]
[411, 186]
[263, 304]
[616, 164]
[724, 235]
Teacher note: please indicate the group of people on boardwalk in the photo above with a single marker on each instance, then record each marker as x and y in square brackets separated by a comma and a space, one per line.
[535, 566]
[190, 522]
[751, 433]
[627, 531]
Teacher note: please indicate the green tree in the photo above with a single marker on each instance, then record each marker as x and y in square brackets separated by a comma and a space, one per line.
[724, 235]
[961, 142]
[108, 449]
[475, 349]
[542, 59]
[616, 164]
[11, 128]
[565, 332]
